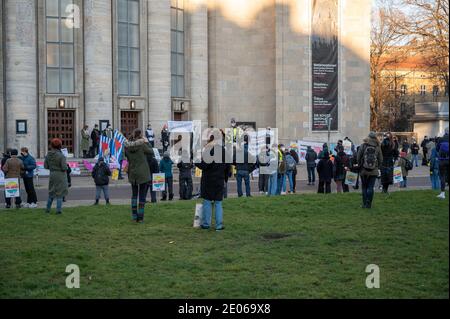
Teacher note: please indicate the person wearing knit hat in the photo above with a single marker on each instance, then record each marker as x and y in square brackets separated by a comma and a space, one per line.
[369, 159]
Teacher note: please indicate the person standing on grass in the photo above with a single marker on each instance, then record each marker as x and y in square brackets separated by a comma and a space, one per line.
[369, 159]
[154, 169]
[424, 150]
[389, 149]
[243, 169]
[311, 158]
[294, 155]
[213, 179]
[100, 174]
[84, 145]
[341, 165]
[263, 161]
[434, 170]
[14, 168]
[325, 172]
[29, 164]
[403, 163]
[415, 153]
[165, 166]
[136, 151]
[442, 149]
[185, 169]
[55, 161]
[291, 166]
[281, 182]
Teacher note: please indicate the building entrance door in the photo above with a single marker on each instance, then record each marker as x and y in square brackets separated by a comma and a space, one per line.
[129, 121]
[61, 124]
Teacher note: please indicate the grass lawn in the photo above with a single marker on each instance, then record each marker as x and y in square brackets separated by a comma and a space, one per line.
[299, 246]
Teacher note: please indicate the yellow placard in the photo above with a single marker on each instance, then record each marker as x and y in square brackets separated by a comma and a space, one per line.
[115, 175]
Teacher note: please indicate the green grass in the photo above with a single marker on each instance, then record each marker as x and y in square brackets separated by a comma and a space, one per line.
[329, 243]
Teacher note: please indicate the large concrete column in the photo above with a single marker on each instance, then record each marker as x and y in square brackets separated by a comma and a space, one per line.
[21, 72]
[98, 61]
[198, 32]
[159, 91]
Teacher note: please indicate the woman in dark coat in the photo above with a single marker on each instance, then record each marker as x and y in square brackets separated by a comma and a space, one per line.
[389, 150]
[213, 179]
[136, 151]
[55, 161]
[325, 171]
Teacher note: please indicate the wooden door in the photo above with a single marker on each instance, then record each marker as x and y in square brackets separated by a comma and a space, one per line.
[61, 124]
[129, 121]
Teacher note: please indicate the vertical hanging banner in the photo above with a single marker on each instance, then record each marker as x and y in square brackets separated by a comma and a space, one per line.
[324, 46]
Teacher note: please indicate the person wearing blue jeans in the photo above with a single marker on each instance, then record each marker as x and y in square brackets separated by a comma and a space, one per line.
[290, 177]
[367, 185]
[415, 159]
[273, 184]
[246, 177]
[281, 184]
[207, 214]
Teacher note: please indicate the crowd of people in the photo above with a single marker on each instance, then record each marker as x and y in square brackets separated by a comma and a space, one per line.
[373, 160]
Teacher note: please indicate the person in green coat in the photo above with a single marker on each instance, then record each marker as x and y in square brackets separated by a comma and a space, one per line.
[55, 161]
[84, 145]
[136, 150]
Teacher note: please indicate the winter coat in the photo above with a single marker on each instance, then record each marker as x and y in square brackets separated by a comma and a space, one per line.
[136, 153]
[165, 166]
[185, 169]
[415, 149]
[152, 165]
[402, 164]
[95, 137]
[341, 161]
[247, 165]
[290, 161]
[55, 161]
[30, 165]
[311, 158]
[84, 145]
[213, 177]
[281, 162]
[325, 170]
[14, 168]
[101, 173]
[360, 157]
[390, 155]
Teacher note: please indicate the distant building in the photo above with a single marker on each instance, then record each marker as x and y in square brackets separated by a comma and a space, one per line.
[430, 119]
[134, 62]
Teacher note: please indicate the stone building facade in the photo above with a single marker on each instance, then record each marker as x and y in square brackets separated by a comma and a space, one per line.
[66, 63]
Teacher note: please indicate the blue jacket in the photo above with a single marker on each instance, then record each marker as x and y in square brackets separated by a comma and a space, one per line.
[30, 165]
[165, 166]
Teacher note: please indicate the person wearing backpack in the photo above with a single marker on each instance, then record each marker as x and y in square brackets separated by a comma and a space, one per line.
[341, 164]
[291, 165]
[369, 159]
[100, 174]
[442, 149]
[325, 172]
[405, 165]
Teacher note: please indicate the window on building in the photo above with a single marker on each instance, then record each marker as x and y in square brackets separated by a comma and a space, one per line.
[59, 47]
[403, 89]
[128, 47]
[435, 90]
[423, 90]
[177, 48]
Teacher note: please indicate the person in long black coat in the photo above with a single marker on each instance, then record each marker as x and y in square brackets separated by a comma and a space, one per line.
[154, 169]
[213, 179]
[389, 150]
[325, 172]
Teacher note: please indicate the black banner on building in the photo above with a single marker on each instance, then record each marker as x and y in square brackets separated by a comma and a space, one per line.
[324, 43]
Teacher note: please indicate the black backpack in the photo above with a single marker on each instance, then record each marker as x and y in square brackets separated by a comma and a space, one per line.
[408, 165]
[370, 160]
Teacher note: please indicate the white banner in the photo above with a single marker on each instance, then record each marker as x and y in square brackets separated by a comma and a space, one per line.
[180, 126]
[303, 146]
[2, 177]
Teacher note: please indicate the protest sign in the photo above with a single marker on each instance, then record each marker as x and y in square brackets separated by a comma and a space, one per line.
[351, 178]
[12, 187]
[303, 146]
[347, 147]
[398, 176]
[75, 168]
[65, 152]
[88, 165]
[115, 175]
[159, 182]
[157, 155]
[180, 126]
[40, 170]
[2, 177]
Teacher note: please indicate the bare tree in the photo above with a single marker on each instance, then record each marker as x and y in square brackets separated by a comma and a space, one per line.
[425, 24]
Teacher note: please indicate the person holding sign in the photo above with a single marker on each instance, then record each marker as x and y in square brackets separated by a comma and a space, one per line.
[136, 151]
[13, 168]
[58, 187]
[154, 169]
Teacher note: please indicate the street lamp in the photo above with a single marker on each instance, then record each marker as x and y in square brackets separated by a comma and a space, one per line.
[329, 120]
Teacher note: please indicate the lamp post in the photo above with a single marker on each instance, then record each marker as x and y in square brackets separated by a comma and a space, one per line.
[329, 120]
